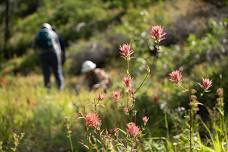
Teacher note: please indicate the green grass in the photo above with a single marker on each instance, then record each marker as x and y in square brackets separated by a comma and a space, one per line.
[26, 107]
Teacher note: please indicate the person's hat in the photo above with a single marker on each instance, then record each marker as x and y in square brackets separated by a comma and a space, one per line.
[46, 25]
[88, 66]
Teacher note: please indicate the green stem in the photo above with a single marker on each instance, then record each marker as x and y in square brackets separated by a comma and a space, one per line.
[175, 148]
[184, 89]
[71, 145]
[128, 73]
[190, 133]
[128, 66]
[95, 105]
[167, 126]
[142, 82]
[69, 132]
[128, 97]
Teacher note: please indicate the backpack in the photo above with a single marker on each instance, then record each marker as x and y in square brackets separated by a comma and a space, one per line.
[44, 40]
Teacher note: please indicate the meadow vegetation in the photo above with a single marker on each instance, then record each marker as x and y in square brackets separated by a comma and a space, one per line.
[158, 101]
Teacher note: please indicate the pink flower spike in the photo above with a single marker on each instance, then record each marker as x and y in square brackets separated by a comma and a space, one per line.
[116, 96]
[100, 96]
[176, 76]
[132, 129]
[131, 91]
[145, 119]
[127, 80]
[126, 110]
[92, 120]
[157, 33]
[206, 84]
[126, 51]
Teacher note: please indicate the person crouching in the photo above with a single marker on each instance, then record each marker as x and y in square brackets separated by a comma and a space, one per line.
[95, 78]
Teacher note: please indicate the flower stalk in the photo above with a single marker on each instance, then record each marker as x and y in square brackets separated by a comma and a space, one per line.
[69, 135]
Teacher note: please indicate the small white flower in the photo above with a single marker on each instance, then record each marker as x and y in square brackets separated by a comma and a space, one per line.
[224, 145]
[174, 144]
[163, 105]
[176, 137]
[195, 138]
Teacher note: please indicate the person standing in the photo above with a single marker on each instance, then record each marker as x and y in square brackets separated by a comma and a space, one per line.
[62, 46]
[48, 47]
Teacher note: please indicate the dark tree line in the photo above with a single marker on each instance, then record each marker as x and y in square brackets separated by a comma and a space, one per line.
[5, 23]
[10, 11]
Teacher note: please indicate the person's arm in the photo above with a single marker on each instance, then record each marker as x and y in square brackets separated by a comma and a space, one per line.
[62, 46]
[105, 81]
[83, 82]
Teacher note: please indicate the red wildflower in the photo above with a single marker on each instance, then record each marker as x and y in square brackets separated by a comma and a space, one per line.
[206, 84]
[176, 76]
[116, 96]
[131, 91]
[145, 119]
[126, 110]
[132, 129]
[127, 80]
[92, 120]
[126, 51]
[157, 33]
[101, 96]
